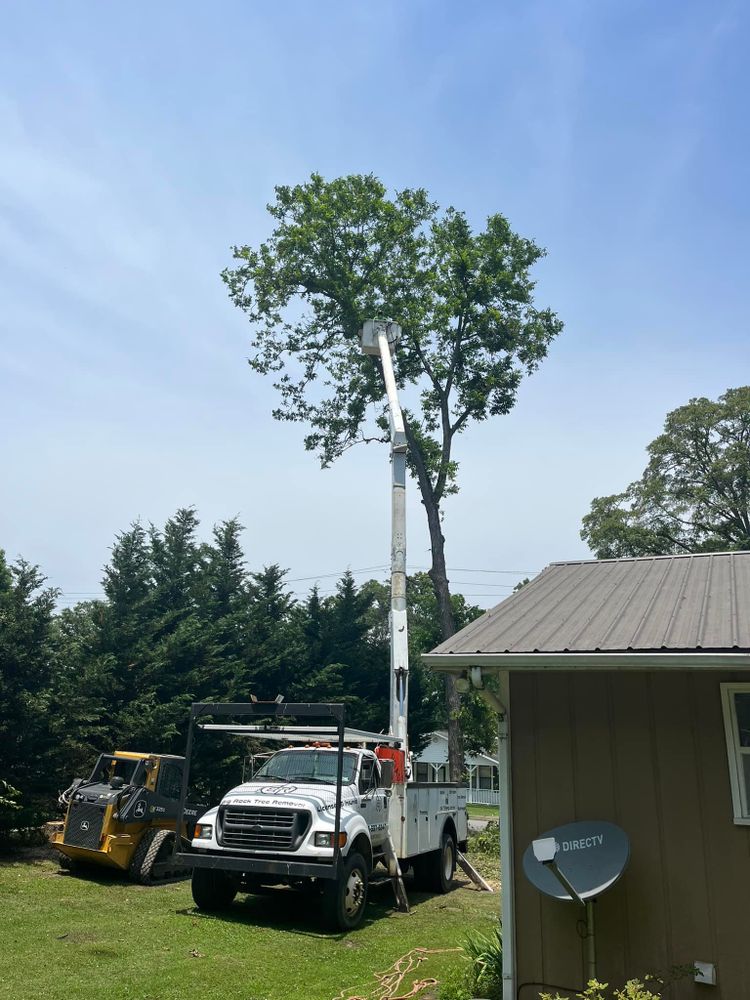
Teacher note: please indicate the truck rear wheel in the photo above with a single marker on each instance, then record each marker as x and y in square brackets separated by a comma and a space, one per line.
[212, 889]
[345, 898]
[434, 872]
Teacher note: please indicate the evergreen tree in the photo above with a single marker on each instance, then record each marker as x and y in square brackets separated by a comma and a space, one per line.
[276, 635]
[27, 658]
[225, 604]
[85, 691]
[355, 663]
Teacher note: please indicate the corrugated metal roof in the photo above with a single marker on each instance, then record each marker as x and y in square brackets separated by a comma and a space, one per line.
[673, 603]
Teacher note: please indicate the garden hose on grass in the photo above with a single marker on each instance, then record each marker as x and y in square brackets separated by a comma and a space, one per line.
[391, 982]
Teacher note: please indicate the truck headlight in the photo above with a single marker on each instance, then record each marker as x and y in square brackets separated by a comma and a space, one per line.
[326, 839]
[203, 831]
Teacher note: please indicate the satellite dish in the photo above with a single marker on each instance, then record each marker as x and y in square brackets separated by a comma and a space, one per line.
[590, 856]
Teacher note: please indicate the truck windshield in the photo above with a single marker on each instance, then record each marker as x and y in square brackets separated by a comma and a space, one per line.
[307, 766]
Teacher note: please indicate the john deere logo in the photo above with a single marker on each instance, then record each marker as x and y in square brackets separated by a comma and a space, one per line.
[85, 825]
[140, 809]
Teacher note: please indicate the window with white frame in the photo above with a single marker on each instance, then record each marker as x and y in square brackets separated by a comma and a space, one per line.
[736, 702]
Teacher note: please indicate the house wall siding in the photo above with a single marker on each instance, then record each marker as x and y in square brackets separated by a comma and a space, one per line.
[646, 751]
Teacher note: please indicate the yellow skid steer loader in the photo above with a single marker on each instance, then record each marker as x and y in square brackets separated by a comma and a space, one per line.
[124, 816]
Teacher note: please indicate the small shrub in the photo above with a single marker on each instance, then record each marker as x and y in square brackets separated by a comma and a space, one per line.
[634, 989]
[483, 975]
[649, 988]
[486, 841]
[486, 952]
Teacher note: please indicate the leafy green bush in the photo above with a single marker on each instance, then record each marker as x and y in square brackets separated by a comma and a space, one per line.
[486, 841]
[649, 988]
[634, 989]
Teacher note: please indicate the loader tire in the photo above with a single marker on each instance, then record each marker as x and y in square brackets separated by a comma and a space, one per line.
[68, 864]
[153, 843]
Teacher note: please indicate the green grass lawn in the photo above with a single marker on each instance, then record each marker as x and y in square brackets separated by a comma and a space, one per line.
[481, 812]
[66, 937]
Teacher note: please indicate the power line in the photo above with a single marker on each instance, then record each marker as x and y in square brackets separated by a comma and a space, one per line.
[343, 572]
[364, 569]
[464, 569]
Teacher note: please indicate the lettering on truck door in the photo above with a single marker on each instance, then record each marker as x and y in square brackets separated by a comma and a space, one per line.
[373, 804]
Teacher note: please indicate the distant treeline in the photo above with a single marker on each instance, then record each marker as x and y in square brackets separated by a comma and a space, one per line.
[184, 620]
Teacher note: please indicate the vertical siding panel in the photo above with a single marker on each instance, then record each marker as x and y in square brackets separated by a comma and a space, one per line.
[591, 720]
[682, 844]
[525, 826]
[562, 946]
[636, 806]
[697, 693]
[594, 797]
[727, 867]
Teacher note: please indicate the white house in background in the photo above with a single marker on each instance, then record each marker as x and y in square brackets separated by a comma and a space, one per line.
[481, 769]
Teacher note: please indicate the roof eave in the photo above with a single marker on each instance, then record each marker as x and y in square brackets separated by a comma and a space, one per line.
[456, 663]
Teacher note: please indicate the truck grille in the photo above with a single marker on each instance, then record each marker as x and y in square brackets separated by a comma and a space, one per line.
[257, 829]
[84, 826]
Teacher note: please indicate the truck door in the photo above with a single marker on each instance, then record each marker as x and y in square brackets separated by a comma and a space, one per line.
[373, 805]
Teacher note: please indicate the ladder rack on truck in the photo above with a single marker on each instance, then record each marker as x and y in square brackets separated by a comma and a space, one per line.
[205, 858]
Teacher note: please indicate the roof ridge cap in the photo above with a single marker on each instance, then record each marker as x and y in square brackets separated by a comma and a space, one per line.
[625, 559]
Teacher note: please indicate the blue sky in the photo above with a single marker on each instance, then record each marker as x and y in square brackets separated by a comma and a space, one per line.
[139, 142]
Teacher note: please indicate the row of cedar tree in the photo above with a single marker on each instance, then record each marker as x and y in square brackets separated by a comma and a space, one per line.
[183, 620]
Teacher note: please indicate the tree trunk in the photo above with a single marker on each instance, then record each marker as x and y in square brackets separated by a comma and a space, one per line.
[439, 577]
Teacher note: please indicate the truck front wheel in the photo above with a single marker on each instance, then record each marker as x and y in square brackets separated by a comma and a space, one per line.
[345, 898]
[212, 889]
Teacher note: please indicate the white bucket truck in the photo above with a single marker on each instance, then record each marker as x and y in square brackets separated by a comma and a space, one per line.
[335, 805]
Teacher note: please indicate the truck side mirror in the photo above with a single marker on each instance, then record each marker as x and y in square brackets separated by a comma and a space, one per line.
[386, 773]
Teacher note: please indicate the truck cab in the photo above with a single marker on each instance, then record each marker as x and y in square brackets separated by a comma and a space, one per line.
[287, 809]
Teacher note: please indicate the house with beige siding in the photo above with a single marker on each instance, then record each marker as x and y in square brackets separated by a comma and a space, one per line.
[622, 689]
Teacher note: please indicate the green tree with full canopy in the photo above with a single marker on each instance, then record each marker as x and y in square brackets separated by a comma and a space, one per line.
[694, 495]
[342, 251]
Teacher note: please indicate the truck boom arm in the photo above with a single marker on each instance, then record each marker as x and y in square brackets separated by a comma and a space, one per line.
[378, 338]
